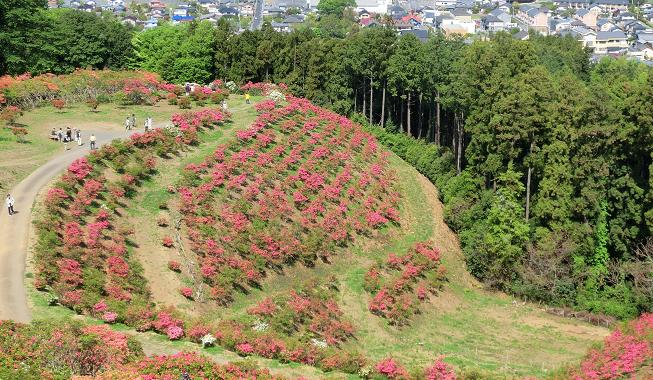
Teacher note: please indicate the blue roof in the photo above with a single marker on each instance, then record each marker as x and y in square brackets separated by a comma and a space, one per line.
[182, 18]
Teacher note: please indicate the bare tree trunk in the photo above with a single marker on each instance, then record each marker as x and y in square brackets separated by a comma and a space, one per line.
[401, 115]
[437, 119]
[528, 185]
[459, 145]
[364, 100]
[408, 115]
[371, 98]
[420, 115]
[383, 108]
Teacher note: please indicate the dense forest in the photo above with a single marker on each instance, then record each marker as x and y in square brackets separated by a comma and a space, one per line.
[542, 157]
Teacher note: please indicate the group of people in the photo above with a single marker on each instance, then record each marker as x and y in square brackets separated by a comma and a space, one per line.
[69, 135]
[130, 122]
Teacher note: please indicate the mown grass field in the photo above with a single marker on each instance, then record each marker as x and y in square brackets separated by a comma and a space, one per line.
[475, 329]
[20, 159]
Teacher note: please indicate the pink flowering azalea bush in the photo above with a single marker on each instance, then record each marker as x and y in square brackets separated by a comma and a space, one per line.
[625, 352]
[296, 185]
[305, 313]
[175, 366]
[47, 350]
[401, 283]
[83, 256]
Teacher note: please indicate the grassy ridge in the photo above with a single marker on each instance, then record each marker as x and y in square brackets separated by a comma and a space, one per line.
[474, 328]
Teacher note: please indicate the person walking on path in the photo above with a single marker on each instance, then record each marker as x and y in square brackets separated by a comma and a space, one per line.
[247, 98]
[132, 122]
[10, 204]
[78, 137]
[69, 134]
[92, 141]
[148, 123]
[60, 135]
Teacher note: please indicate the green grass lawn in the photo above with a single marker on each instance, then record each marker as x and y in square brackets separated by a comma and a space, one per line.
[17, 160]
[475, 329]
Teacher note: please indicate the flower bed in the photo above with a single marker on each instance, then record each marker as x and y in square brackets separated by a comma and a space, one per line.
[401, 283]
[28, 92]
[59, 350]
[83, 254]
[307, 314]
[296, 185]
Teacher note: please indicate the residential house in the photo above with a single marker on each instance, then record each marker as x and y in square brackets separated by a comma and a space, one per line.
[558, 24]
[586, 36]
[421, 34]
[413, 19]
[151, 23]
[534, 17]
[572, 4]
[502, 15]
[522, 35]
[373, 6]
[280, 26]
[293, 20]
[645, 37]
[368, 22]
[493, 24]
[445, 4]
[587, 17]
[225, 11]
[247, 9]
[461, 25]
[642, 52]
[610, 42]
[363, 14]
[462, 15]
[273, 11]
[397, 12]
[612, 5]
[605, 25]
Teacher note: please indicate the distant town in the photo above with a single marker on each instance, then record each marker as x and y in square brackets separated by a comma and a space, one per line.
[605, 27]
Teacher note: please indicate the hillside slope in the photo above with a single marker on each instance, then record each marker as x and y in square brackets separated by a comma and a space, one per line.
[473, 328]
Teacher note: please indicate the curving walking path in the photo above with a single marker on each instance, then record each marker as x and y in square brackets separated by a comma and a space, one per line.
[14, 230]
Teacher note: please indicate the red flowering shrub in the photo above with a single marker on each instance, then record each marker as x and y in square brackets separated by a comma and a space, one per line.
[439, 370]
[174, 266]
[186, 292]
[167, 241]
[174, 366]
[391, 369]
[58, 104]
[46, 350]
[402, 282]
[293, 165]
[624, 353]
[306, 313]
[80, 168]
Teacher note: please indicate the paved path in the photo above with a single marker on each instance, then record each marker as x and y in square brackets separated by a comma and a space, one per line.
[14, 230]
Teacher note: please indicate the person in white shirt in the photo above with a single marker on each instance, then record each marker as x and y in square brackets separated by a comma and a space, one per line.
[92, 140]
[148, 123]
[10, 204]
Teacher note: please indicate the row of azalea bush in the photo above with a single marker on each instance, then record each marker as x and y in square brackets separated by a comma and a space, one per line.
[627, 353]
[123, 87]
[295, 186]
[83, 255]
[400, 283]
[27, 92]
[65, 350]
[309, 314]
